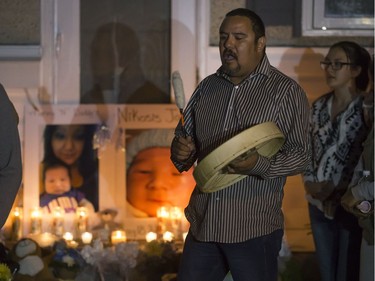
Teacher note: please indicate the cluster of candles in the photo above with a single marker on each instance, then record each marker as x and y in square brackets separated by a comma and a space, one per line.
[57, 227]
[169, 223]
[117, 236]
[168, 228]
[60, 221]
[167, 236]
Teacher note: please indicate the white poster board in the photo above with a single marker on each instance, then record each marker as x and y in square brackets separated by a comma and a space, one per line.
[112, 168]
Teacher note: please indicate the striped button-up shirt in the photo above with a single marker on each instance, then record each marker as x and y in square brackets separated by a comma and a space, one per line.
[219, 110]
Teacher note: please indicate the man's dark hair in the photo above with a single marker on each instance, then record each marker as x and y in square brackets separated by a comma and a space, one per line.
[257, 23]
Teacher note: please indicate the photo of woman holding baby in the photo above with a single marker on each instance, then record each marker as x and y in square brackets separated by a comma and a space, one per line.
[73, 145]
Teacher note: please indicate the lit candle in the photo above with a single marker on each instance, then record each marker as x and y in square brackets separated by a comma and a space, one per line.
[175, 218]
[73, 244]
[16, 224]
[163, 218]
[118, 236]
[81, 219]
[86, 237]
[168, 236]
[68, 236]
[162, 212]
[58, 221]
[151, 236]
[45, 239]
[36, 221]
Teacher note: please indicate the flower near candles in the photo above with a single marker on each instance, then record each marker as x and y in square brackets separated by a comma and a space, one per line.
[36, 220]
[118, 236]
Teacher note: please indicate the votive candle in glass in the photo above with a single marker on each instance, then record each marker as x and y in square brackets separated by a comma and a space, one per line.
[68, 236]
[36, 220]
[17, 223]
[168, 236]
[151, 236]
[163, 219]
[58, 221]
[82, 218]
[86, 237]
[118, 236]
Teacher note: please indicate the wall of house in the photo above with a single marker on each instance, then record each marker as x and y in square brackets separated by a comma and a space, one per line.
[295, 55]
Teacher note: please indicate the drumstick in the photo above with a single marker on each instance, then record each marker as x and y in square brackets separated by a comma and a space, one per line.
[179, 94]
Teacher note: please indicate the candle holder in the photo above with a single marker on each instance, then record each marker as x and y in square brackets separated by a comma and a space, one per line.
[168, 236]
[163, 220]
[17, 223]
[175, 215]
[151, 236]
[58, 221]
[36, 221]
[169, 220]
[82, 220]
[118, 236]
[86, 238]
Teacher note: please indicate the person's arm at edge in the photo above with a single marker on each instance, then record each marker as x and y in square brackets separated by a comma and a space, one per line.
[10, 155]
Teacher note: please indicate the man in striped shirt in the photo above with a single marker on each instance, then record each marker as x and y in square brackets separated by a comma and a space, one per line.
[240, 228]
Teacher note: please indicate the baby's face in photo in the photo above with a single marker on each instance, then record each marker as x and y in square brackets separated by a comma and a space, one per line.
[153, 182]
[57, 180]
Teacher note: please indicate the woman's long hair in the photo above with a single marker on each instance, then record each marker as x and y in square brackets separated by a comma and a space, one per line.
[87, 162]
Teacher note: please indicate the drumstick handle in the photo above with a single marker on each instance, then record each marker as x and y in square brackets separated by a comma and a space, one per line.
[182, 118]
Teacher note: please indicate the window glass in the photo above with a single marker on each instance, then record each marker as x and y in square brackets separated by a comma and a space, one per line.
[125, 51]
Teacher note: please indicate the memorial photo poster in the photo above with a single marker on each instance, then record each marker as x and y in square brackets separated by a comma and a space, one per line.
[115, 125]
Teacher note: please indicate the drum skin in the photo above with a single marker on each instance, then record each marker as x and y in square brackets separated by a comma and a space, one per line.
[210, 173]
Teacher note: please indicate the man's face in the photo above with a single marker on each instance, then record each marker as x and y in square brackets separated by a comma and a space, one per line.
[239, 52]
[153, 181]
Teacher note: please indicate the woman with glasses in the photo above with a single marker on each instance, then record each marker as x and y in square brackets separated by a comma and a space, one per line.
[337, 130]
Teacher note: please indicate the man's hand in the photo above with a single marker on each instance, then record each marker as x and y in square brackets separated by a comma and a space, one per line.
[319, 190]
[243, 164]
[182, 148]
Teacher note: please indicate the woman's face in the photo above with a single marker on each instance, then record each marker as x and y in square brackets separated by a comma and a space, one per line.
[153, 181]
[68, 142]
[344, 77]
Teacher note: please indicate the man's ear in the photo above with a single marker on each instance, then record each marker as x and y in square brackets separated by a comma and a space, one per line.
[261, 44]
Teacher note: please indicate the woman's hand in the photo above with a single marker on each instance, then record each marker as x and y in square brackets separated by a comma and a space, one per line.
[319, 190]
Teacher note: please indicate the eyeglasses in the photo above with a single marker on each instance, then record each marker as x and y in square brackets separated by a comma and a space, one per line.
[335, 65]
